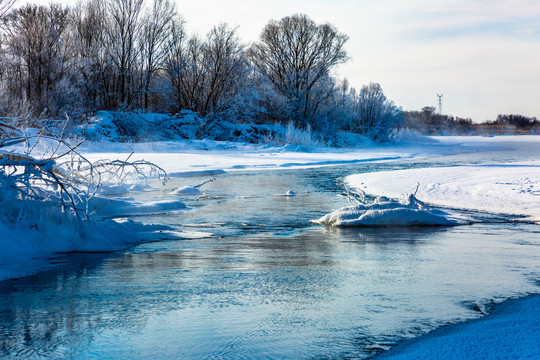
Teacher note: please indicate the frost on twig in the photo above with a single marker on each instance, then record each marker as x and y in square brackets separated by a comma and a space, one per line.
[355, 197]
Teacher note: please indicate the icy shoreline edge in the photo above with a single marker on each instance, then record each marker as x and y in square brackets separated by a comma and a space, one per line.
[509, 331]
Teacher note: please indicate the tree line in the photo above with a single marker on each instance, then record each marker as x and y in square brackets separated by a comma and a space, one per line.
[429, 122]
[136, 55]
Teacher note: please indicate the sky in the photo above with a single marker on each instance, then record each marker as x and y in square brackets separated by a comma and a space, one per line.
[482, 55]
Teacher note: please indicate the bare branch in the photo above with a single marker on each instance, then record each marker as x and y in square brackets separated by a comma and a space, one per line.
[5, 5]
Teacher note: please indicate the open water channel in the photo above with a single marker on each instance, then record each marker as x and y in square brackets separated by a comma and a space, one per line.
[268, 284]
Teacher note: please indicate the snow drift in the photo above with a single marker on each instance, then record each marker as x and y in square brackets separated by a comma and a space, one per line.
[384, 212]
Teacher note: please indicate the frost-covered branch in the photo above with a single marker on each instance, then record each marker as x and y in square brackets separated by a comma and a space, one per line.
[50, 176]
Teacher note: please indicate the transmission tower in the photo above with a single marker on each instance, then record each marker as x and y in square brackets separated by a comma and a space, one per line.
[440, 102]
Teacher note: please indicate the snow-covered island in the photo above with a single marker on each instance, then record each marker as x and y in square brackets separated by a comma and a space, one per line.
[409, 211]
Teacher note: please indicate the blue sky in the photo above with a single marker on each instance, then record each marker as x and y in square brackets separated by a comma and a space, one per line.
[483, 55]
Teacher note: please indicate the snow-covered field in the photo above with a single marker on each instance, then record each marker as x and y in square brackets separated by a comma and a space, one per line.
[199, 156]
[507, 187]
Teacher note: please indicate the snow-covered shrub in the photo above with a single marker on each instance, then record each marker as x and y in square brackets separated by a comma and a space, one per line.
[295, 136]
[124, 126]
[52, 175]
[101, 126]
[183, 125]
[49, 203]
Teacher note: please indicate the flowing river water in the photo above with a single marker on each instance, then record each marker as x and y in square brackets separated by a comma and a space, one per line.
[267, 283]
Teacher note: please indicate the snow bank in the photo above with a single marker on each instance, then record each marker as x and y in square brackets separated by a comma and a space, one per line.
[32, 231]
[512, 188]
[24, 250]
[133, 126]
[510, 332]
[384, 212]
[210, 158]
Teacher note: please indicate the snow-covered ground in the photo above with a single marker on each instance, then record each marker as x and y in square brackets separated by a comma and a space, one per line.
[199, 156]
[510, 332]
[499, 187]
[204, 155]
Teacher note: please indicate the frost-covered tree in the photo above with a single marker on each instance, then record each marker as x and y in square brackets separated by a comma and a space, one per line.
[338, 107]
[122, 33]
[91, 62]
[39, 51]
[176, 62]
[226, 67]
[296, 55]
[207, 76]
[185, 70]
[155, 34]
[377, 116]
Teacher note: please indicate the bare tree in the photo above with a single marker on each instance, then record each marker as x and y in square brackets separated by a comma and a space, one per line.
[176, 61]
[122, 33]
[37, 36]
[226, 65]
[189, 75]
[92, 61]
[5, 5]
[206, 75]
[296, 54]
[156, 32]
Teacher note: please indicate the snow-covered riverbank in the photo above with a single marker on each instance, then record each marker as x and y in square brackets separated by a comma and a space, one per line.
[205, 155]
[511, 331]
[506, 187]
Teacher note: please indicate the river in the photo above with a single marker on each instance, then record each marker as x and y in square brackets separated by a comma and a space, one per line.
[267, 283]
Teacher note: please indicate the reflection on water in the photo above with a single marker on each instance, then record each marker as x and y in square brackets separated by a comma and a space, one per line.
[268, 284]
[323, 292]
